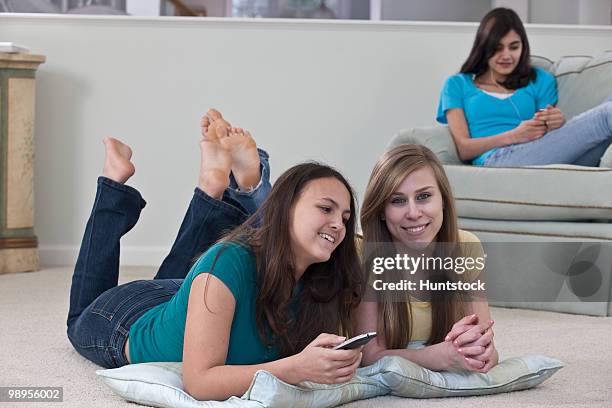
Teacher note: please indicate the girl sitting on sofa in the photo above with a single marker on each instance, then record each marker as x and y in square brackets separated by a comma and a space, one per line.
[262, 298]
[408, 205]
[501, 111]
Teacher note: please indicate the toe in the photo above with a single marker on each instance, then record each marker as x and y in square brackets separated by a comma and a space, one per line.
[205, 121]
[215, 117]
[214, 114]
[204, 125]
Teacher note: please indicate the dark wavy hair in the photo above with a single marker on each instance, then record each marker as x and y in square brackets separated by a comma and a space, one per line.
[493, 27]
[330, 290]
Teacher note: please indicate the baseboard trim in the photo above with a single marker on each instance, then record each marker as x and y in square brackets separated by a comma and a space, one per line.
[66, 255]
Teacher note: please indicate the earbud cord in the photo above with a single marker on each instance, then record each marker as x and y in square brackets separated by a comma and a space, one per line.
[509, 99]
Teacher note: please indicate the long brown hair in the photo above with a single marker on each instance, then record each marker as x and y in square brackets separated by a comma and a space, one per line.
[394, 318]
[493, 27]
[330, 291]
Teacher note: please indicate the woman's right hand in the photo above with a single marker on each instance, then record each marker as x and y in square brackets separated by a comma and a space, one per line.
[450, 359]
[464, 344]
[528, 131]
[319, 363]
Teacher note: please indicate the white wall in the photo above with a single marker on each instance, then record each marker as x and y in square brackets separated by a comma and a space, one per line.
[332, 91]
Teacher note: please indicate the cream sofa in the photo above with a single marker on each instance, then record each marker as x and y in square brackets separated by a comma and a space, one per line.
[546, 217]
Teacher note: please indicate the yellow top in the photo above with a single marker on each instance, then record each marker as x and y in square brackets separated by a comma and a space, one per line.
[421, 311]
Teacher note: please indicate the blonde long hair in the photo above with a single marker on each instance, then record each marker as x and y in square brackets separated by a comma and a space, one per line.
[388, 174]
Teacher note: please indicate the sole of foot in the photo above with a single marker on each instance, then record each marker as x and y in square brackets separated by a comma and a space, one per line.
[245, 158]
[117, 164]
[215, 167]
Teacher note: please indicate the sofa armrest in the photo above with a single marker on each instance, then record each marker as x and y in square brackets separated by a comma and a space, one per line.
[606, 159]
[437, 138]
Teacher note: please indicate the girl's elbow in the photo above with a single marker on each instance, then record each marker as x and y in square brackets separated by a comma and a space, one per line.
[192, 386]
[462, 148]
[464, 155]
[193, 391]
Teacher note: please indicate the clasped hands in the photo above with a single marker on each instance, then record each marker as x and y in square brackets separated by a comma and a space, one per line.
[544, 120]
[551, 117]
[469, 346]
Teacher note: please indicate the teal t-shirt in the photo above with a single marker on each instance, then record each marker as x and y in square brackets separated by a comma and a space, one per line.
[487, 115]
[158, 334]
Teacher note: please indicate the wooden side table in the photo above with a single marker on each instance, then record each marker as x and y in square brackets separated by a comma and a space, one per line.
[18, 244]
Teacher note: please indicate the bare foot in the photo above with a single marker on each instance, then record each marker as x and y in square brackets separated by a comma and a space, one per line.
[204, 125]
[210, 121]
[215, 116]
[215, 166]
[245, 159]
[117, 164]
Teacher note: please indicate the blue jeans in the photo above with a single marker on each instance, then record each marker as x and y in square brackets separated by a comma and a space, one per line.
[581, 141]
[101, 313]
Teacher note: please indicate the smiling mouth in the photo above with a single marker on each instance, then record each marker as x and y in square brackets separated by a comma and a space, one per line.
[416, 229]
[327, 237]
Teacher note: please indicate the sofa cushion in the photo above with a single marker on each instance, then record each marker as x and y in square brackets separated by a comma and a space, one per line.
[529, 231]
[583, 82]
[534, 193]
[437, 138]
[546, 265]
[606, 159]
[542, 62]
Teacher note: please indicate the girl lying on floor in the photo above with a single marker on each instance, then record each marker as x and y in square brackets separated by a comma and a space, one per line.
[270, 295]
[408, 204]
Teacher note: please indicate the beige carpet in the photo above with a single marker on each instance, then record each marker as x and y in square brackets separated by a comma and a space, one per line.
[36, 352]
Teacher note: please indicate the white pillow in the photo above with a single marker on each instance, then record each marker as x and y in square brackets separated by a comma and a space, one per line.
[160, 384]
[407, 379]
[272, 392]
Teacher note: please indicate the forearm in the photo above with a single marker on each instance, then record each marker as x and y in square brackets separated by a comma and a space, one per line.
[472, 147]
[221, 382]
[494, 357]
[425, 357]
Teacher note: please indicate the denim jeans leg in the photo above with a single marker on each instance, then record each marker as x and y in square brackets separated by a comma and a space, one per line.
[115, 211]
[567, 145]
[100, 333]
[252, 200]
[593, 156]
[207, 219]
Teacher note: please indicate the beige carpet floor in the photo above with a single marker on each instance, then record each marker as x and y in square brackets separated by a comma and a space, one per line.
[34, 350]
